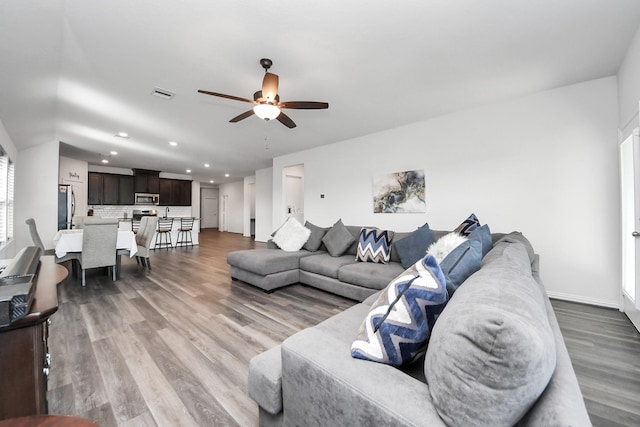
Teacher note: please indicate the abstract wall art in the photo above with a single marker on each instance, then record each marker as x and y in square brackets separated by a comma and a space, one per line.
[399, 192]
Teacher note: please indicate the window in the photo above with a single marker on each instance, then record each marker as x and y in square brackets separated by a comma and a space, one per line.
[6, 198]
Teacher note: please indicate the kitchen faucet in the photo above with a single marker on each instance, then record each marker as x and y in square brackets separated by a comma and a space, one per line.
[166, 212]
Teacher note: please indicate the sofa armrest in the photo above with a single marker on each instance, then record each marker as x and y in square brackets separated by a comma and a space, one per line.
[265, 380]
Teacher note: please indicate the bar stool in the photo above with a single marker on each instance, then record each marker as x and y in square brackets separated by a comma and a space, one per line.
[135, 225]
[184, 232]
[164, 229]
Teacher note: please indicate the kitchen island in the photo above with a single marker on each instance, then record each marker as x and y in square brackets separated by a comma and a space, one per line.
[125, 223]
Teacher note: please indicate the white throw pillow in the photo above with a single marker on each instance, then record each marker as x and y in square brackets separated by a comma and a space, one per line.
[291, 236]
[444, 245]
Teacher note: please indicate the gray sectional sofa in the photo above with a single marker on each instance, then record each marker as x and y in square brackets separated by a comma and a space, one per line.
[496, 356]
[272, 268]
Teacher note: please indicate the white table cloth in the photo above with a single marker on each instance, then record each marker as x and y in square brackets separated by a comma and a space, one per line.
[71, 241]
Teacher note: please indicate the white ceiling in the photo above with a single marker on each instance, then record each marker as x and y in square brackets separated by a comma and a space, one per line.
[79, 71]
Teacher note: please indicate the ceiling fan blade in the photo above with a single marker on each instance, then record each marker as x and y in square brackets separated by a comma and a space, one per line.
[286, 120]
[270, 87]
[222, 95]
[242, 116]
[304, 105]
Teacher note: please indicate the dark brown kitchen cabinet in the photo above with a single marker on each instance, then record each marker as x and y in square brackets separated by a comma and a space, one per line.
[95, 188]
[146, 181]
[175, 192]
[110, 189]
[126, 195]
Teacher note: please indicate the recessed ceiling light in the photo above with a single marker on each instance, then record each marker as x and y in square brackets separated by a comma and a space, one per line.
[173, 143]
[105, 161]
[206, 165]
[122, 135]
[211, 181]
[114, 153]
[226, 175]
[188, 170]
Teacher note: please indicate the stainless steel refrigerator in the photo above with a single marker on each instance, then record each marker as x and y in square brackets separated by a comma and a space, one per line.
[66, 206]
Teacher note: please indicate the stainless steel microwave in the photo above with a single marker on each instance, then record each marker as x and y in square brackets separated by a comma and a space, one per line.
[147, 199]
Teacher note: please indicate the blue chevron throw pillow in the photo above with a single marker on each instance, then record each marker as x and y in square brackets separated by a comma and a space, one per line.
[399, 323]
[374, 245]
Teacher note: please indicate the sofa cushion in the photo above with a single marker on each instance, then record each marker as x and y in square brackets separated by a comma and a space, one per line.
[292, 236]
[265, 261]
[315, 239]
[468, 225]
[374, 245]
[492, 351]
[412, 248]
[265, 380]
[399, 323]
[369, 275]
[325, 264]
[483, 235]
[337, 239]
[461, 263]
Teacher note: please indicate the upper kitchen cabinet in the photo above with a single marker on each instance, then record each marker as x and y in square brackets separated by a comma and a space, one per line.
[175, 192]
[146, 181]
[95, 189]
[110, 189]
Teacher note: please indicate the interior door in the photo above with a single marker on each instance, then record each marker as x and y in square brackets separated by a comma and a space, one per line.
[630, 208]
[209, 208]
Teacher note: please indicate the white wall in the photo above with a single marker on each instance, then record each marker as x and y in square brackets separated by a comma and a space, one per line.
[9, 250]
[544, 164]
[629, 88]
[235, 205]
[264, 204]
[37, 193]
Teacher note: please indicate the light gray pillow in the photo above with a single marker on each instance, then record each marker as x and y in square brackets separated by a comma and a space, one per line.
[492, 351]
[338, 239]
[315, 240]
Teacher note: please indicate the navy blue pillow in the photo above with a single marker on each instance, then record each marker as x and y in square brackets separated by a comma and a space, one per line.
[483, 235]
[461, 263]
[412, 248]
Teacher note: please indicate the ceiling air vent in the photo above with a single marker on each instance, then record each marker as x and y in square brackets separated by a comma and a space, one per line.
[163, 93]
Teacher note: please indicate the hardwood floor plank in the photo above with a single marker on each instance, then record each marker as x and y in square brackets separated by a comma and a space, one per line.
[163, 402]
[170, 346]
[121, 388]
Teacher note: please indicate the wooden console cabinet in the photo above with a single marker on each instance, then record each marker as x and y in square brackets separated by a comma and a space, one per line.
[24, 355]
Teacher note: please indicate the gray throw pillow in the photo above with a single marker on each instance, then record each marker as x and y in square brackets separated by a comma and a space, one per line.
[338, 239]
[492, 351]
[315, 240]
[412, 248]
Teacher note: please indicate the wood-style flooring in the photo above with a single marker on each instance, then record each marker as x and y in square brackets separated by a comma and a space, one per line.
[171, 347]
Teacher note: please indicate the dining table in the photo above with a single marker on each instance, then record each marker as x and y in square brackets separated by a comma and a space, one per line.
[71, 241]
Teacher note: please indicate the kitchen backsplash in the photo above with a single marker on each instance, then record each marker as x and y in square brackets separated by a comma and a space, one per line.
[113, 211]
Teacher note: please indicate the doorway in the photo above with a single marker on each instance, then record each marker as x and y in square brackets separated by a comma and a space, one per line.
[209, 207]
[294, 192]
[630, 208]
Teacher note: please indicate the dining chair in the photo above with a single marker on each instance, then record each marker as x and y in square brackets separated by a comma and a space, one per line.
[135, 225]
[35, 236]
[99, 239]
[164, 233]
[184, 232]
[144, 238]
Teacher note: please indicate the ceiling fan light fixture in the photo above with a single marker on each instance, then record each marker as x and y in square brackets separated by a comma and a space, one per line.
[266, 111]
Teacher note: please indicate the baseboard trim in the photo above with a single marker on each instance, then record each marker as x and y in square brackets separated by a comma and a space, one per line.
[583, 300]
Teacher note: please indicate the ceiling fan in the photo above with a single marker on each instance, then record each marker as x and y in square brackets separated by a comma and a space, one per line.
[267, 103]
